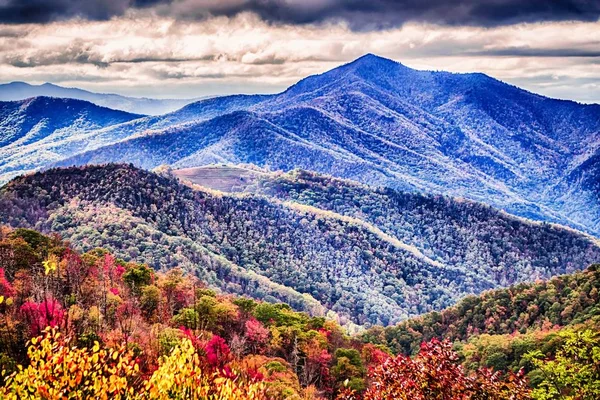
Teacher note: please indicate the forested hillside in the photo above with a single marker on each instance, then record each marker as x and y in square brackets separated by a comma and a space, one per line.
[563, 300]
[95, 326]
[513, 329]
[338, 249]
[459, 233]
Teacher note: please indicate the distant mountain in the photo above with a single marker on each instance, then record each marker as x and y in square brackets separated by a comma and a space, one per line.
[32, 130]
[15, 91]
[365, 255]
[381, 123]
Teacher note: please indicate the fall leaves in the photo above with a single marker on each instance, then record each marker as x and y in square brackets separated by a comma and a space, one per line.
[80, 326]
[59, 370]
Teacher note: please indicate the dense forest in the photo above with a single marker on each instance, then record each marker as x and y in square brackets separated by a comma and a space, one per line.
[324, 246]
[89, 325]
[459, 233]
[517, 319]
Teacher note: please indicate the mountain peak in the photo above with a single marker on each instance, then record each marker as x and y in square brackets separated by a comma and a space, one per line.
[369, 66]
[372, 61]
[371, 58]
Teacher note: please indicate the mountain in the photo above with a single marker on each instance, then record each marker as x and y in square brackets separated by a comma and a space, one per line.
[325, 245]
[33, 130]
[72, 126]
[16, 91]
[457, 233]
[379, 122]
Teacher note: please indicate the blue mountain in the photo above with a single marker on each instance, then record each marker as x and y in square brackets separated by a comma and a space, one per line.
[379, 122]
[16, 91]
[40, 130]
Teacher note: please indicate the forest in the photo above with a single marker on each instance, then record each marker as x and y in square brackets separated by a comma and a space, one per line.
[326, 246]
[91, 325]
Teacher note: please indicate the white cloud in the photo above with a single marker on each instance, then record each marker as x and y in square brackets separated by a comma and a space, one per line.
[147, 54]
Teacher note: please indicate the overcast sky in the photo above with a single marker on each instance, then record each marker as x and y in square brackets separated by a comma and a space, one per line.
[191, 48]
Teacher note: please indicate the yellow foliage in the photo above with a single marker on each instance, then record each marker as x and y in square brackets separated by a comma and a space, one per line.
[59, 370]
[180, 376]
[50, 264]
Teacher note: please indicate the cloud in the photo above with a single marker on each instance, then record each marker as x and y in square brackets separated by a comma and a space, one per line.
[526, 51]
[358, 14]
[153, 55]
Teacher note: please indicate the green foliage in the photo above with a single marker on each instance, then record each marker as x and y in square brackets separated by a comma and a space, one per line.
[560, 301]
[574, 372]
[150, 300]
[138, 276]
[279, 315]
[37, 241]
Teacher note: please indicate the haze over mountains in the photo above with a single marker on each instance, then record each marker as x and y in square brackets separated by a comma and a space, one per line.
[16, 91]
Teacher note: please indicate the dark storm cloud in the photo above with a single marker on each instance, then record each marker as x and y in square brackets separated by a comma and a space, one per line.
[38, 11]
[359, 14]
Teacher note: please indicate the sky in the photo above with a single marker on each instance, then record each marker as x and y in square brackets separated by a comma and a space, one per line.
[193, 48]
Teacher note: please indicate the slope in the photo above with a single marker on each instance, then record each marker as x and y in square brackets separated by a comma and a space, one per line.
[561, 301]
[90, 130]
[349, 265]
[382, 123]
[30, 130]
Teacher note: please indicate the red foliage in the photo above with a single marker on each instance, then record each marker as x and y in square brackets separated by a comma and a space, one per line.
[6, 289]
[188, 333]
[217, 352]
[111, 269]
[317, 363]
[256, 333]
[435, 374]
[373, 356]
[40, 315]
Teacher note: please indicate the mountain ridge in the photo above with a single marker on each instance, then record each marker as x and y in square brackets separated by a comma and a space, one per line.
[463, 134]
[380, 122]
[310, 234]
[15, 91]
[31, 130]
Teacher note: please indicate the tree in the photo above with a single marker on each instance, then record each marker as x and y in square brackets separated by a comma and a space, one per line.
[434, 374]
[574, 373]
[181, 375]
[57, 370]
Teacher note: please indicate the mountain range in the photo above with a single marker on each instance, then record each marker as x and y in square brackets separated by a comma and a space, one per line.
[15, 91]
[324, 245]
[371, 193]
[379, 122]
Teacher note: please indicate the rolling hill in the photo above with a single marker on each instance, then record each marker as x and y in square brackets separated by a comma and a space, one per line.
[324, 245]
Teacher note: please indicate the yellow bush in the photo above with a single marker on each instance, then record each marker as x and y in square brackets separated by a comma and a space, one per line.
[58, 371]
